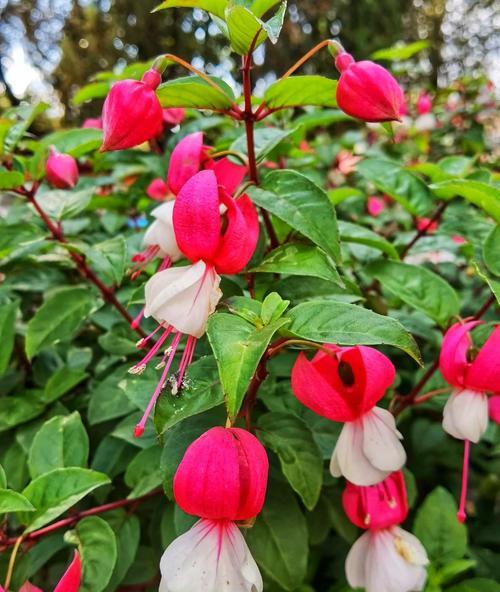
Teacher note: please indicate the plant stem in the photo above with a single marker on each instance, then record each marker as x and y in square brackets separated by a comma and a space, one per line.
[436, 217]
[57, 235]
[12, 562]
[306, 57]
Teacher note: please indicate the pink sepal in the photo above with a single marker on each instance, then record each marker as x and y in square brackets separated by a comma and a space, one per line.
[70, 582]
[229, 175]
[453, 357]
[484, 372]
[185, 161]
[158, 189]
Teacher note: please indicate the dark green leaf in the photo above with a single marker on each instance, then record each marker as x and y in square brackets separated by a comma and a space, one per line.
[491, 251]
[61, 382]
[59, 204]
[299, 91]
[266, 139]
[144, 472]
[128, 532]
[355, 233]
[480, 194]
[8, 314]
[20, 408]
[476, 585]
[109, 258]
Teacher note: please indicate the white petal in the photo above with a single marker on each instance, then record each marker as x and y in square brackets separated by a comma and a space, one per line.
[349, 459]
[183, 297]
[465, 415]
[381, 443]
[161, 232]
[211, 557]
[355, 563]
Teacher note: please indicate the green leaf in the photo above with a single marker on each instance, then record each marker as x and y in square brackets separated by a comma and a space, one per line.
[109, 258]
[61, 442]
[456, 166]
[476, 585]
[437, 527]
[491, 253]
[216, 7]
[389, 177]
[8, 313]
[303, 205]
[272, 308]
[25, 115]
[192, 91]
[11, 501]
[401, 51]
[144, 472]
[418, 287]
[77, 141]
[3, 478]
[347, 324]
[19, 408]
[61, 382]
[278, 539]
[480, 194]
[107, 400]
[98, 553]
[58, 318]
[60, 204]
[355, 233]
[94, 90]
[266, 139]
[299, 259]
[128, 532]
[243, 26]
[201, 391]
[300, 458]
[299, 91]
[55, 492]
[10, 179]
[238, 347]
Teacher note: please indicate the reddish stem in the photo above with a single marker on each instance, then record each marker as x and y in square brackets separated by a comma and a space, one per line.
[436, 217]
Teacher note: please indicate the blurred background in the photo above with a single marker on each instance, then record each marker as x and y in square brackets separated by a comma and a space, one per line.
[49, 48]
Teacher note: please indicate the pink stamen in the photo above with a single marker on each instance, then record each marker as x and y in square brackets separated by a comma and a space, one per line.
[139, 367]
[139, 428]
[137, 320]
[187, 356]
[165, 264]
[142, 342]
[461, 515]
[142, 259]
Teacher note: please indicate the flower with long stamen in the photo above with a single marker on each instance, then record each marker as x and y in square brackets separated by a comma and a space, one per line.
[344, 385]
[181, 299]
[473, 374]
[222, 478]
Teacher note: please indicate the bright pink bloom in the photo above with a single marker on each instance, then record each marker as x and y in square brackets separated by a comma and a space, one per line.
[185, 161]
[377, 506]
[158, 189]
[427, 225]
[223, 475]
[345, 386]
[424, 103]
[367, 91]
[375, 205]
[132, 113]
[494, 408]
[173, 116]
[70, 581]
[61, 170]
[94, 123]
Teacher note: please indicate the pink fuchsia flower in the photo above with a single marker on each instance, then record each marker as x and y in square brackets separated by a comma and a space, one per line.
[375, 205]
[173, 116]
[367, 91]
[70, 581]
[427, 225]
[221, 478]
[345, 386]
[132, 113]
[387, 560]
[158, 189]
[377, 506]
[181, 299]
[347, 162]
[94, 123]
[424, 103]
[61, 170]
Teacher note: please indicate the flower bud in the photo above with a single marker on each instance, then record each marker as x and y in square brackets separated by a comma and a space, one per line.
[158, 189]
[367, 91]
[424, 103]
[223, 475]
[132, 113]
[61, 170]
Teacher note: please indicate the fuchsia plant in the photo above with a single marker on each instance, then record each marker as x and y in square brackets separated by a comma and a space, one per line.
[61, 170]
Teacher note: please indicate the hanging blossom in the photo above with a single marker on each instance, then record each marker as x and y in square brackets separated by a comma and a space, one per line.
[385, 558]
[345, 386]
[473, 374]
[222, 478]
[181, 299]
[61, 169]
[70, 581]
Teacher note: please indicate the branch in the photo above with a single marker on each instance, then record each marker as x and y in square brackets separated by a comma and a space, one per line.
[436, 217]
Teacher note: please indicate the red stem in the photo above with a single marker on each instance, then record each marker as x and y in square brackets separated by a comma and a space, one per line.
[423, 231]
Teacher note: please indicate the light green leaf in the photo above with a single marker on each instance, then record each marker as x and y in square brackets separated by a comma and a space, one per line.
[60, 204]
[299, 91]
[303, 205]
[10, 179]
[76, 142]
[273, 307]
[401, 51]
[109, 258]
[299, 455]
[243, 26]
[355, 233]
[195, 92]
[238, 347]
[328, 321]
[61, 382]
[8, 314]
[94, 90]
[265, 138]
[11, 501]
[491, 252]
[216, 7]
[55, 492]
[480, 194]
[418, 287]
[24, 116]
[58, 318]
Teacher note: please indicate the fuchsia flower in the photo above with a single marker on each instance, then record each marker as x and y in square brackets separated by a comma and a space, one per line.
[93, 123]
[430, 226]
[386, 558]
[70, 581]
[375, 205]
[222, 478]
[465, 414]
[61, 169]
[132, 113]
[367, 91]
[424, 103]
[173, 116]
[158, 189]
[181, 299]
[345, 386]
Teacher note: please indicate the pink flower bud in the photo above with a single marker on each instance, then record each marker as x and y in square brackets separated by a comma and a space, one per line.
[93, 123]
[173, 116]
[377, 506]
[223, 475]
[367, 91]
[158, 189]
[424, 103]
[132, 113]
[375, 205]
[61, 170]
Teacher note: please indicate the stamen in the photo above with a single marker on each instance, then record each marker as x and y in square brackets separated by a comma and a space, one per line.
[137, 321]
[142, 342]
[139, 367]
[461, 515]
[143, 259]
[187, 356]
[165, 264]
[139, 428]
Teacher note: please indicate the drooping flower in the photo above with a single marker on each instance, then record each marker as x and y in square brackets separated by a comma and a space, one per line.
[424, 103]
[158, 189]
[375, 205]
[132, 113]
[93, 123]
[181, 299]
[367, 91]
[345, 386]
[221, 478]
[473, 374]
[61, 169]
[70, 581]
[173, 116]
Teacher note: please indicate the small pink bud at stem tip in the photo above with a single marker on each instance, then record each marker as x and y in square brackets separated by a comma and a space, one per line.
[138, 431]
